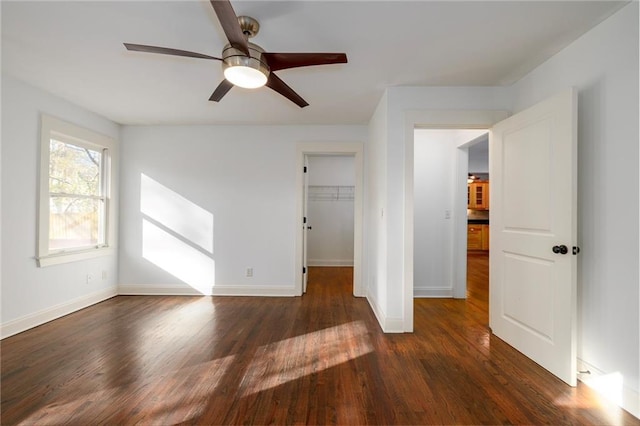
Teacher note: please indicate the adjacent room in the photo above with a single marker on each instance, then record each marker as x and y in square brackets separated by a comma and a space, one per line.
[311, 212]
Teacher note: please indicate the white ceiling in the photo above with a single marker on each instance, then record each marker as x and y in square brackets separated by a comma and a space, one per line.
[74, 50]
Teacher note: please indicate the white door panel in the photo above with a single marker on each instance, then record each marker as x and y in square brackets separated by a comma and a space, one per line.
[526, 178]
[526, 290]
[533, 208]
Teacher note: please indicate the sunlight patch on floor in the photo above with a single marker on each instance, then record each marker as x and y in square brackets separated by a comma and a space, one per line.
[291, 359]
[171, 327]
[607, 396]
[142, 403]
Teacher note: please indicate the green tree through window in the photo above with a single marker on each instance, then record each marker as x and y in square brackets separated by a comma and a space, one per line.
[76, 196]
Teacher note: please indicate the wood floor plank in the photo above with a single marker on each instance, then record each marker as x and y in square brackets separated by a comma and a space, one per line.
[318, 359]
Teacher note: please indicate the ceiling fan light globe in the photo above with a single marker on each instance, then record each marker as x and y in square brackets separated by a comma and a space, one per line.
[246, 77]
[245, 71]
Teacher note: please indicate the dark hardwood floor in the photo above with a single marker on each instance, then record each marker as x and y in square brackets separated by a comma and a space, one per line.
[319, 359]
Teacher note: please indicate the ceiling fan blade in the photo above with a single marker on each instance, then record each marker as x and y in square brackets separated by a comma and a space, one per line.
[167, 51]
[274, 83]
[281, 61]
[221, 90]
[229, 21]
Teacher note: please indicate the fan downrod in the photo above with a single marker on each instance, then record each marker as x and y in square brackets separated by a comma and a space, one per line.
[249, 26]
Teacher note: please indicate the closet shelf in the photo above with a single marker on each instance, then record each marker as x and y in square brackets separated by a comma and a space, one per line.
[331, 193]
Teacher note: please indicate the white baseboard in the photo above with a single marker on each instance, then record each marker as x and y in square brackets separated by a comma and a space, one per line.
[433, 292]
[330, 262]
[226, 290]
[269, 291]
[388, 325]
[49, 314]
[156, 290]
[610, 387]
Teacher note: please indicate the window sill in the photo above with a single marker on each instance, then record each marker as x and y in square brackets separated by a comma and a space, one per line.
[73, 256]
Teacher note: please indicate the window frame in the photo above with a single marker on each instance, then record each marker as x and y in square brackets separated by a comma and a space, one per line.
[62, 131]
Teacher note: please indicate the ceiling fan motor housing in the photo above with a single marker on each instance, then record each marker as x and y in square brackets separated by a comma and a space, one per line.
[232, 57]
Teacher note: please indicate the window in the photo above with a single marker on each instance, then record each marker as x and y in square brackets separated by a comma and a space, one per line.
[74, 193]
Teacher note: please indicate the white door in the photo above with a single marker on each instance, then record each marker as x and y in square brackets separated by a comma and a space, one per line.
[305, 223]
[533, 231]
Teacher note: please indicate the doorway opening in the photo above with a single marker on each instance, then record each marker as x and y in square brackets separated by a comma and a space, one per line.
[435, 119]
[329, 218]
[478, 224]
[451, 208]
[322, 188]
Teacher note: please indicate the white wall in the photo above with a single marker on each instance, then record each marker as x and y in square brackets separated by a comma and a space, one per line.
[479, 157]
[434, 159]
[332, 170]
[32, 295]
[375, 237]
[330, 241]
[603, 65]
[240, 177]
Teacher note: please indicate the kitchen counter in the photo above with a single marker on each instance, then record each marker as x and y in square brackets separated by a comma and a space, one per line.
[478, 221]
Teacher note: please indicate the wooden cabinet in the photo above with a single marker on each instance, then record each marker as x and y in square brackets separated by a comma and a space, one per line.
[474, 237]
[478, 196]
[477, 237]
[485, 237]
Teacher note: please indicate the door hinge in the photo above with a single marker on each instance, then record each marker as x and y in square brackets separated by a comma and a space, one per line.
[304, 270]
[575, 250]
[305, 169]
[304, 220]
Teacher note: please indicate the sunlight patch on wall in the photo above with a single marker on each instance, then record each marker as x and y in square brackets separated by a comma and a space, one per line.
[608, 385]
[291, 359]
[175, 212]
[177, 258]
[611, 388]
[177, 235]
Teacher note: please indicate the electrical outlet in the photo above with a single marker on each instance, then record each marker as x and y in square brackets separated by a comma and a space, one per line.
[249, 272]
[89, 278]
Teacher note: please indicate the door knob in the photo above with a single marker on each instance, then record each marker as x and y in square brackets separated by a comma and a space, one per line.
[562, 249]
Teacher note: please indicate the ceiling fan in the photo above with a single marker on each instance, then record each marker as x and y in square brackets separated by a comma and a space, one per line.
[246, 64]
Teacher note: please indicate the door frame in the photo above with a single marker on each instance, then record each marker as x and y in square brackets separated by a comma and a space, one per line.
[332, 148]
[436, 119]
[305, 223]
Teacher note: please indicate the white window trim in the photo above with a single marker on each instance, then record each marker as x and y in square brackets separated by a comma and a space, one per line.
[70, 133]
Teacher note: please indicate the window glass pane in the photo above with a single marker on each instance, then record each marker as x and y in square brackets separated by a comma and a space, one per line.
[73, 169]
[74, 222]
[73, 216]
